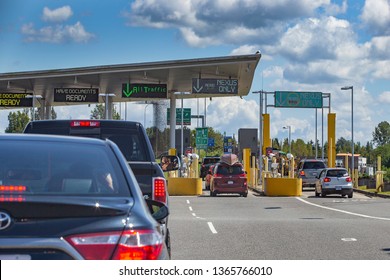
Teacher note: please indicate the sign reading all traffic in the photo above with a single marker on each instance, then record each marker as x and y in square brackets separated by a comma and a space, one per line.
[15, 100]
[296, 99]
[144, 90]
[76, 95]
[216, 86]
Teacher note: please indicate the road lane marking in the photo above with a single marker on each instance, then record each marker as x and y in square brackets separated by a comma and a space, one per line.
[349, 239]
[342, 211]
[212, 228]
[188, 202]
[193, 214]
[190, 208]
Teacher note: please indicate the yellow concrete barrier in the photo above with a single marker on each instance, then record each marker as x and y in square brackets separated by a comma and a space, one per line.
[184, 186]
[283, 186]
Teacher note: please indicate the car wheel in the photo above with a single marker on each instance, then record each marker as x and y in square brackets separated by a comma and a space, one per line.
[317, 193]
[323, 194]
[245, 194]
[350, 195]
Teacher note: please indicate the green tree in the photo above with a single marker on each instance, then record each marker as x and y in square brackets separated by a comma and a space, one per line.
[381, 134]
[17, 121]
[98, 112]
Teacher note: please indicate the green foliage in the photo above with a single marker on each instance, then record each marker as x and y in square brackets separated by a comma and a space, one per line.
[381, 134]
[99, 112]
[17, 121]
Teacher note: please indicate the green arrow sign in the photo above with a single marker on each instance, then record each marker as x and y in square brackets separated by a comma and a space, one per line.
[202, 137]
[144, 90]
[186, 116]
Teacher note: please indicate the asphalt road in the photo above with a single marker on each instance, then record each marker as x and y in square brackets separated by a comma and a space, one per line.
[279, 228]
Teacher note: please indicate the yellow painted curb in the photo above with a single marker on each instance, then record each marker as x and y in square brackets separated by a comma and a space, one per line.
[184, 186]
[283, 186]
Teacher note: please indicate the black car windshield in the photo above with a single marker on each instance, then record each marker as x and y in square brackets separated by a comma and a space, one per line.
[63, 168]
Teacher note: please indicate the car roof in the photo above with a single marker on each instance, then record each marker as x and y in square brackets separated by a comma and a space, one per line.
[103, 123]
[53, 138]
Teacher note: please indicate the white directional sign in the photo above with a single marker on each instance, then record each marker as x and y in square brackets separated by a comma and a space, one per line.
[215, 86]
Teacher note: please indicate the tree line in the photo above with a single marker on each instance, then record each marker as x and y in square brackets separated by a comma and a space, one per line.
[378, 145]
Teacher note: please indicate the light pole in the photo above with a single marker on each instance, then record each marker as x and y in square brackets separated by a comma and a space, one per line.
[289, 137]
[108, 114]
[353, 145]
[145, 113]
[33, 96]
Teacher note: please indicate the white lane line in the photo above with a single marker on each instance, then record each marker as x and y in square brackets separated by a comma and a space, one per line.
[212, 228]
[349, 239]
[190, 208]
[193, 214]
[342, 211]
[188, 202]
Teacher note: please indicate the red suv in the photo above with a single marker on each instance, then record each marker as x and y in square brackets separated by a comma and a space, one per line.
[229, 177]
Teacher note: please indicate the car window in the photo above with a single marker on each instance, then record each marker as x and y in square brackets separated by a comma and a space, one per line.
[229, 170]
[313, 165]
[61, 167]
[337, 173]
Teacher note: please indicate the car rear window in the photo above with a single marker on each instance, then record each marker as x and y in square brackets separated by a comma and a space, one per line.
[229, 170]
[337, 173]
[210, 160]
[313, 165]
[61, 168]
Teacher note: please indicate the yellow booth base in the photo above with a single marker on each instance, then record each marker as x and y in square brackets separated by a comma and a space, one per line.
[283, 186]
[184, 186]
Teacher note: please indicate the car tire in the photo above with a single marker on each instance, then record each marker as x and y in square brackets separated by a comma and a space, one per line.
[323, 194]
[350, 195]
[245, 194]
[317, 193]
[168, 242]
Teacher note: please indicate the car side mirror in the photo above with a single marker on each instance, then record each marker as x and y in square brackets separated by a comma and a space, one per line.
[169, 163]
[158, 209]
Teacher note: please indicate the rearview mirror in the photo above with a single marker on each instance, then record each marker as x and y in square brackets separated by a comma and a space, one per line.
[158, 209]
[169, 163]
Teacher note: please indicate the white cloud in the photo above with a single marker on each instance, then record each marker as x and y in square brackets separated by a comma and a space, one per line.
[384, 97]
[57, 33]
[57, 15]
[376, 14]
[245, 49]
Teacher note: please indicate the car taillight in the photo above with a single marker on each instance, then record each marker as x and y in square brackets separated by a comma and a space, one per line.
[326, 180]
[159, 189]
[85, 124]
[127, 245]
[348, 179]
[302, 173]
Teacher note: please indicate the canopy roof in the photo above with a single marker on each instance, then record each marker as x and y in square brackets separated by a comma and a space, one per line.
[176, 74]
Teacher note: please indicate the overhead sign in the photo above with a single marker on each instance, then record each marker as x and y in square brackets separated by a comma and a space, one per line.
[296, 99]
[15, 100]
[202, 137]
[76, 95]
[144, 90]
[227, 145]
[216, 86]
[186, 116]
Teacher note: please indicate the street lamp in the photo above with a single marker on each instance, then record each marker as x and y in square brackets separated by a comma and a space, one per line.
[353, 148]
[289, 137]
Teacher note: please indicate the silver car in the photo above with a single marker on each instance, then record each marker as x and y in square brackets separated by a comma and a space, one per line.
[308, 170]
[334, 181]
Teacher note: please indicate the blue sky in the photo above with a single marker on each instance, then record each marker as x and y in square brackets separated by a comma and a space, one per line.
[306, 45]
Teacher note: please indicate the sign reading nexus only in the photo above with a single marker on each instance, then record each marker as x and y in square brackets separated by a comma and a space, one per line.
[76, 95]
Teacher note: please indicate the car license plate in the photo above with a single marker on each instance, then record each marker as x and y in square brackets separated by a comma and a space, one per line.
[314, 173]
[338, 188]
[15, 257]
[230, 182]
